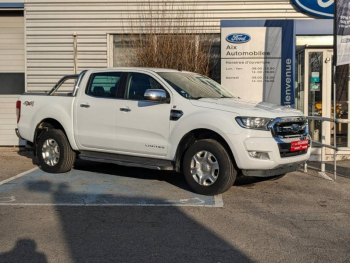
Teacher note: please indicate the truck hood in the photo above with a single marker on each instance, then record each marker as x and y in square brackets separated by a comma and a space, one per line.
[247, 108]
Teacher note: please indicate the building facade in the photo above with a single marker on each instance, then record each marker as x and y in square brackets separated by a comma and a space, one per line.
[12, 68]
[44, 40]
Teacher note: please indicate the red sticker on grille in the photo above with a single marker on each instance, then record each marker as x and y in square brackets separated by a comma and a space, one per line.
[299, 145]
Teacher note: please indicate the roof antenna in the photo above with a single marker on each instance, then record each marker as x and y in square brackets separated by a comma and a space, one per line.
[179, 68]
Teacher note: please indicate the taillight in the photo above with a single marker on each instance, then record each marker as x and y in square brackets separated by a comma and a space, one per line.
[18, 110]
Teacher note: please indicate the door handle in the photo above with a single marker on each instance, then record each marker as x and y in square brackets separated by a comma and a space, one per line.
[125, 109]
[85, 105]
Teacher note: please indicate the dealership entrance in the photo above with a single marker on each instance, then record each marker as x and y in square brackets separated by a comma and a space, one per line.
[314, 95]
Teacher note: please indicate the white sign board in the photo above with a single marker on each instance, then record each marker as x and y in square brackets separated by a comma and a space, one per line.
[251, 62]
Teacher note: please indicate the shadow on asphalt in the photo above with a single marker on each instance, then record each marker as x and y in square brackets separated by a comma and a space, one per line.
[342, 168]
[135, 234]
[131, 233]
[24, 251]
[170, 177]
[29, 155]
[248, 181]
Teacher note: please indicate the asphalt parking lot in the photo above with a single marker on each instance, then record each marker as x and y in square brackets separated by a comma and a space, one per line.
[108, 213]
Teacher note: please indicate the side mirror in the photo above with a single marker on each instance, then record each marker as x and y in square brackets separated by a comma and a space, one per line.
[156, 95]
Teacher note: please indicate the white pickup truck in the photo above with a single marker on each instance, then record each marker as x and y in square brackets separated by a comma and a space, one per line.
[162, 119]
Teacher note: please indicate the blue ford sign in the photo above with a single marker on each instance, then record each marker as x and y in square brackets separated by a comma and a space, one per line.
[322, 8]
[238, 38]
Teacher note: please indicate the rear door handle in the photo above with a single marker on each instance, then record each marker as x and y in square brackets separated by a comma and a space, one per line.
[85, 105]
[125, 109]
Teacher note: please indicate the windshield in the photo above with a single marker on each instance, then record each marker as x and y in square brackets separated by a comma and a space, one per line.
[194, 86]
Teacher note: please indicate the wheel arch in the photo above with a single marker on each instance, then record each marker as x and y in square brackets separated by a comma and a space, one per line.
[195, 135]
[44, 125]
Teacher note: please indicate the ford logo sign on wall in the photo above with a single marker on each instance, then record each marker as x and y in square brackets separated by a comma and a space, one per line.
[238, 38]
[322, 8]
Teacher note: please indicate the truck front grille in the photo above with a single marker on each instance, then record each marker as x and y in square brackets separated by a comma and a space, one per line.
[289, 127]
[286, 130]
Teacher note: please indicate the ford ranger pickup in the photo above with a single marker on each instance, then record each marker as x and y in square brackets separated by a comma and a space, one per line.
[162, 119]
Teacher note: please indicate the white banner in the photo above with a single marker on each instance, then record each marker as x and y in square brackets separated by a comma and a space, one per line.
[251, 62]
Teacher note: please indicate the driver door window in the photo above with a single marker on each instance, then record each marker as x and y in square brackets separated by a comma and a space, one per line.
[138, 83]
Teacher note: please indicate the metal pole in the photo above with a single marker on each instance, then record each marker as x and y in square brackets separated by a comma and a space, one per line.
[335, 122]
[305, 167]
[75, 47]
[335, 58]
[323, 156]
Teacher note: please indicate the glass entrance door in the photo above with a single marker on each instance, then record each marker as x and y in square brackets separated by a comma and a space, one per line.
[314, 90]
[342, 79]
[314, 94]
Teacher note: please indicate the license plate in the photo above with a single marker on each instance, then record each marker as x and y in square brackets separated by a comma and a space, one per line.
[299, 145]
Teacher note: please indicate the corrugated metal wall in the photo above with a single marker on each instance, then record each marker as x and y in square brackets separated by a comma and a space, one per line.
[11, 61]
[50, 26]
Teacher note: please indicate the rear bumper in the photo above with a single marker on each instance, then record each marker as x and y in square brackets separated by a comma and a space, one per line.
[18, 135]
[272, 172]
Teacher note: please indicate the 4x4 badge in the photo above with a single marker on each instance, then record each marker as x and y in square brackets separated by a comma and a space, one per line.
[29, 103]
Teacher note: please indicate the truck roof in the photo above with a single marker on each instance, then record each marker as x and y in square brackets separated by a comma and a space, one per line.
[137, 68]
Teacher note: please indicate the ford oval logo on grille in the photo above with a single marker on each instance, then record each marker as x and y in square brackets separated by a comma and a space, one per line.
[323, 8]
[238, 38]
[295, 128]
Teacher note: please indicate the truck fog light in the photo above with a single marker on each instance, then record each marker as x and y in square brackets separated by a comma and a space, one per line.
[255, 154]
[259, 155]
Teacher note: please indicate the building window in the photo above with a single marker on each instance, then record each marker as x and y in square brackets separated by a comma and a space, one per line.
[142, 50]
[124, 50]
[11, 83]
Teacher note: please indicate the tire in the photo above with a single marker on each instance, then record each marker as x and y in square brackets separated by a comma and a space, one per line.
[222, 178]
[61, 148]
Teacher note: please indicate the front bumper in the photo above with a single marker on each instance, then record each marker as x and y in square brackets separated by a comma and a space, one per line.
[262, 141]
[272, 172]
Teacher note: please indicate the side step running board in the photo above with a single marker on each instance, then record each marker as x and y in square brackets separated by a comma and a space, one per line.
[126, 160]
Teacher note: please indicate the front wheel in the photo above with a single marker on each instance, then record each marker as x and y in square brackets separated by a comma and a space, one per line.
[208, 168]
[54, 152]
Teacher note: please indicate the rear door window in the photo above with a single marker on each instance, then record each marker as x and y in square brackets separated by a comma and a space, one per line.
[104, 85]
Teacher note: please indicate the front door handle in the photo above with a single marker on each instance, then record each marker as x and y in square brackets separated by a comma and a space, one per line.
[85, 105]
[125, 109]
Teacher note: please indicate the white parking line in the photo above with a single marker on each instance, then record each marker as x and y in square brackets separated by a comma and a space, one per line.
[218, 202]
[18, 176]
[109, 205]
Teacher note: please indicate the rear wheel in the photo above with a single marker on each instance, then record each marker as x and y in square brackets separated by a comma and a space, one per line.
[54, 152]
[208, 168]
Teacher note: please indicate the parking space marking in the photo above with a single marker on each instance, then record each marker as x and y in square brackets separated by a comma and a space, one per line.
[81, 188]
[219, 204]
[18, 175]
[218, 201]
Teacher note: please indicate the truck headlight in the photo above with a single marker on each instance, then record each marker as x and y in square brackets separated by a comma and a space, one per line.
[255, 123]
